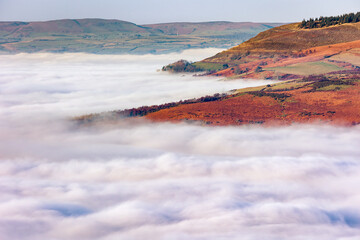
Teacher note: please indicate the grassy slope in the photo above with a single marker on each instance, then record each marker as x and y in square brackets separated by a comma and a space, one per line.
[290, 38]
[289, 47]
[114, 36]
[307, 68]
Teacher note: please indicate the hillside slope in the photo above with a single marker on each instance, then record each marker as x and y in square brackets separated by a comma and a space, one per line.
[212, 28]
[276, 52]
[67, 26]
[325, 66]
[322, 66]
[115, 36]
[322, 100]
[291, 38]
[333, 98]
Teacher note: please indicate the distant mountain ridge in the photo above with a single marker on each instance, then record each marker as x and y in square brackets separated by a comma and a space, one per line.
[116, 36]
[69, 26]
[204, 28]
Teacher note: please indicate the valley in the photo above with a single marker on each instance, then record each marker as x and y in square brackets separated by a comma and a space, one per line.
[101, 36]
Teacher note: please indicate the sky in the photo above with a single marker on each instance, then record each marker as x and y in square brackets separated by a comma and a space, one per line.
[159, 11]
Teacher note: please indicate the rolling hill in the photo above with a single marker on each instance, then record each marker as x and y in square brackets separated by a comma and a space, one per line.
[321, 67]
[115, 36]
[288, 52]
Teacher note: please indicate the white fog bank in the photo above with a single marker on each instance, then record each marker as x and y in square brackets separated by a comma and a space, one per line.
[75, 84]
[160, 181]
[172, 181]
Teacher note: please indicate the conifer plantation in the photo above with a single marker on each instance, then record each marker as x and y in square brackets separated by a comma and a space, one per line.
[330, 21]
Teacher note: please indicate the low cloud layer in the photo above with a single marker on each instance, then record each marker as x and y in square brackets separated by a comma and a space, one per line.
[167, 181]
[81, 83]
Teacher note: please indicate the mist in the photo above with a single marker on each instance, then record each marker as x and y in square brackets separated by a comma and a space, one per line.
[133, 180]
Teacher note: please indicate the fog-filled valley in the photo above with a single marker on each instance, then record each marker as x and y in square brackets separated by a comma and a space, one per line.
[138, 180]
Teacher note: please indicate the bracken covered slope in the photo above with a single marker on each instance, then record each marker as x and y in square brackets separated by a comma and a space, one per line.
[333, 98]
[322, 68]
[330, 100]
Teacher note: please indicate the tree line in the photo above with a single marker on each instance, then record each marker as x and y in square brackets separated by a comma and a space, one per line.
[144, 110]
[330, 21]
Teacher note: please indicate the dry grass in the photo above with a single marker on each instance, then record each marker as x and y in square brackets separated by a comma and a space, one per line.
[288, 39]
[350, 57]
[306, 69]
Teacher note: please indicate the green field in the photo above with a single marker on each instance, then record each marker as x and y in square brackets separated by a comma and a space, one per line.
[288, 85]
[209, 66]
[306, 69]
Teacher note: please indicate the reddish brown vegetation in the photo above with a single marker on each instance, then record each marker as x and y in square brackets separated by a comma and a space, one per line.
[145, 110]
[287, 45]
[331, 98]
[302, 105]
